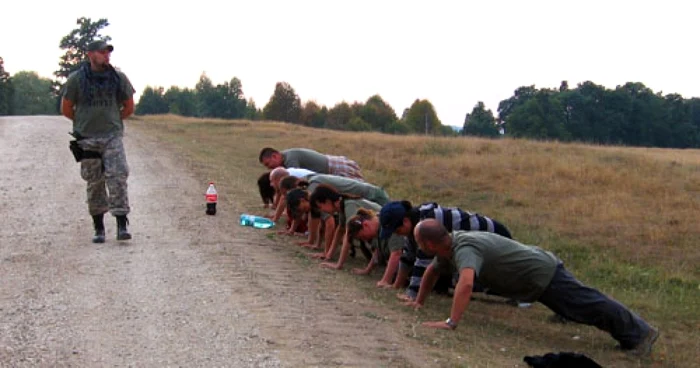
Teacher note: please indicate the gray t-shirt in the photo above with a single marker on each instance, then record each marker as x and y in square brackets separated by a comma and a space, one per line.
[306, 159]
[351, 207]
[98, 116]
[349, 186]
[507, 267]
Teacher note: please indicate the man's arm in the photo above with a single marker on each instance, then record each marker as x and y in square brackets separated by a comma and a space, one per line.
[314, 225]
[460, 301]
[430, 278]
[281, 207]
[370, 265]
[341, 235]
[127, 108]
[67, 108]
[391, 267]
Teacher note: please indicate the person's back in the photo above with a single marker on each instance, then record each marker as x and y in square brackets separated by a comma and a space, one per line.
[454, 218]
[508, 267]
[349, 186]
[306, 159]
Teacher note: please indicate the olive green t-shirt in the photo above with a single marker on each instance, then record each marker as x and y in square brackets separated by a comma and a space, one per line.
[306, 159]
[351, 207]
[349, 186]
[507, 267]
[99, 116]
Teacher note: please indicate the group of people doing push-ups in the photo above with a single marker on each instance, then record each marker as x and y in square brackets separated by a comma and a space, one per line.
[429, 247]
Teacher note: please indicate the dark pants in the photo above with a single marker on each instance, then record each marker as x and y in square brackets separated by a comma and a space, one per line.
[569, 298]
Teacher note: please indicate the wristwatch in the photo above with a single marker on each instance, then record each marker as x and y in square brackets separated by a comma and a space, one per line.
[451, 323]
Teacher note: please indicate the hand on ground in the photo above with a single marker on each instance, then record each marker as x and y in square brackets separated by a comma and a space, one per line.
[439, 324]
[383, 284]
[413, 304]
[360, 271]
[331, 265]
[321, 255]
[403, 297]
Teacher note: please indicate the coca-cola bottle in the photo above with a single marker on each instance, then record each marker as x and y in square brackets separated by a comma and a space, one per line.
[211, 197]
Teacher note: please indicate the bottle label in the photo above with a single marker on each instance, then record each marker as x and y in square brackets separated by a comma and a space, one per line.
[211, 198]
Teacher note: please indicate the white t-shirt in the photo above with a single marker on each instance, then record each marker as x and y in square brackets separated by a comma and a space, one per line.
[299, 173]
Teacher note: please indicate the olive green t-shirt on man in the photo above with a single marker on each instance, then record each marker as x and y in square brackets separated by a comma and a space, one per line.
[101, 116]
[507, 267]
[306, 159]
[349, 186]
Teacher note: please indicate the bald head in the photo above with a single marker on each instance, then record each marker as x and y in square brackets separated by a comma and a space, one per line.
[431, 234]
[276, 175]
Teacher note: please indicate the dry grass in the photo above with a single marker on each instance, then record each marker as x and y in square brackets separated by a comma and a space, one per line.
[624, 219]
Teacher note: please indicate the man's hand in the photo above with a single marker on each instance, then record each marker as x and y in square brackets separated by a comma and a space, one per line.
[321, 255]
[439, 325]
[404, 298]
[331, 265]
[382, 284]
[414, 304]
[360, 271]
[307, 244]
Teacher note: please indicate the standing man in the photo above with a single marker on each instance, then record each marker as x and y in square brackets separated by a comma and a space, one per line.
[311, 160]
[524, 273]
[97, 98]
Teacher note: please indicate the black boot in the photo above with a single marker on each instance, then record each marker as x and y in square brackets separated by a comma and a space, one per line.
[122, 232]
[98, 222]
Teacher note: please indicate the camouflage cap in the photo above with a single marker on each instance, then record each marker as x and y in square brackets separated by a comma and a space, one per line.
[99, 45]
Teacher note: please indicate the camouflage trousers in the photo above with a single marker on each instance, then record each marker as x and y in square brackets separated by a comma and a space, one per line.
[106, 176]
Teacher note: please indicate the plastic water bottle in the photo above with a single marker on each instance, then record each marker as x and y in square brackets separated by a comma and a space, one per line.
[257, 222]
[212, 198]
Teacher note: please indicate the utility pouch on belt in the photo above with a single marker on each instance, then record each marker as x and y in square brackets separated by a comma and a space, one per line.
[80, 153]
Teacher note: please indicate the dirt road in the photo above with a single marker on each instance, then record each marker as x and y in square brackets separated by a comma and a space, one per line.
[189, 290]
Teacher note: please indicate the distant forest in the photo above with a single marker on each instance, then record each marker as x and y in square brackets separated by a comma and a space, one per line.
[631, 114]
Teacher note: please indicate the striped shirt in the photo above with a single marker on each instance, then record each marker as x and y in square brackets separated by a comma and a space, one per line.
[455, 218]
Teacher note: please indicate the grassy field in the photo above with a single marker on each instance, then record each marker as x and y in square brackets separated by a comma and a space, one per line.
[623, 219]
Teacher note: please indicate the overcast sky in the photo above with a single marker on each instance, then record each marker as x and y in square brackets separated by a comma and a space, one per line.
[453, 53]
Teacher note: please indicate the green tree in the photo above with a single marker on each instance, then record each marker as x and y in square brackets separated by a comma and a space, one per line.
[339, 116]
[207, 98]
[181, 101]
[421, 118]
[480, 122]
[6, 90]
[520, 97]
[284, 104]
[230, 101]
[32, 95]
[378, 114]
[251, 111]
[541, 117]
[313, 115]
[357, 124]
[75, 46]
[152, 102]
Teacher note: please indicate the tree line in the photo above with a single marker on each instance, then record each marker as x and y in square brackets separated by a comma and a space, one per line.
[228, 101]
[631, 114]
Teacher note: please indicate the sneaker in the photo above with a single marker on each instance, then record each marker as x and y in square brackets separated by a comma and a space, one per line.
[644, 346]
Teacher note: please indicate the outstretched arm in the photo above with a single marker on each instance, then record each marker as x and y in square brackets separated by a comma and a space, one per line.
[460, 301]
[430, 278]
[391, 266]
